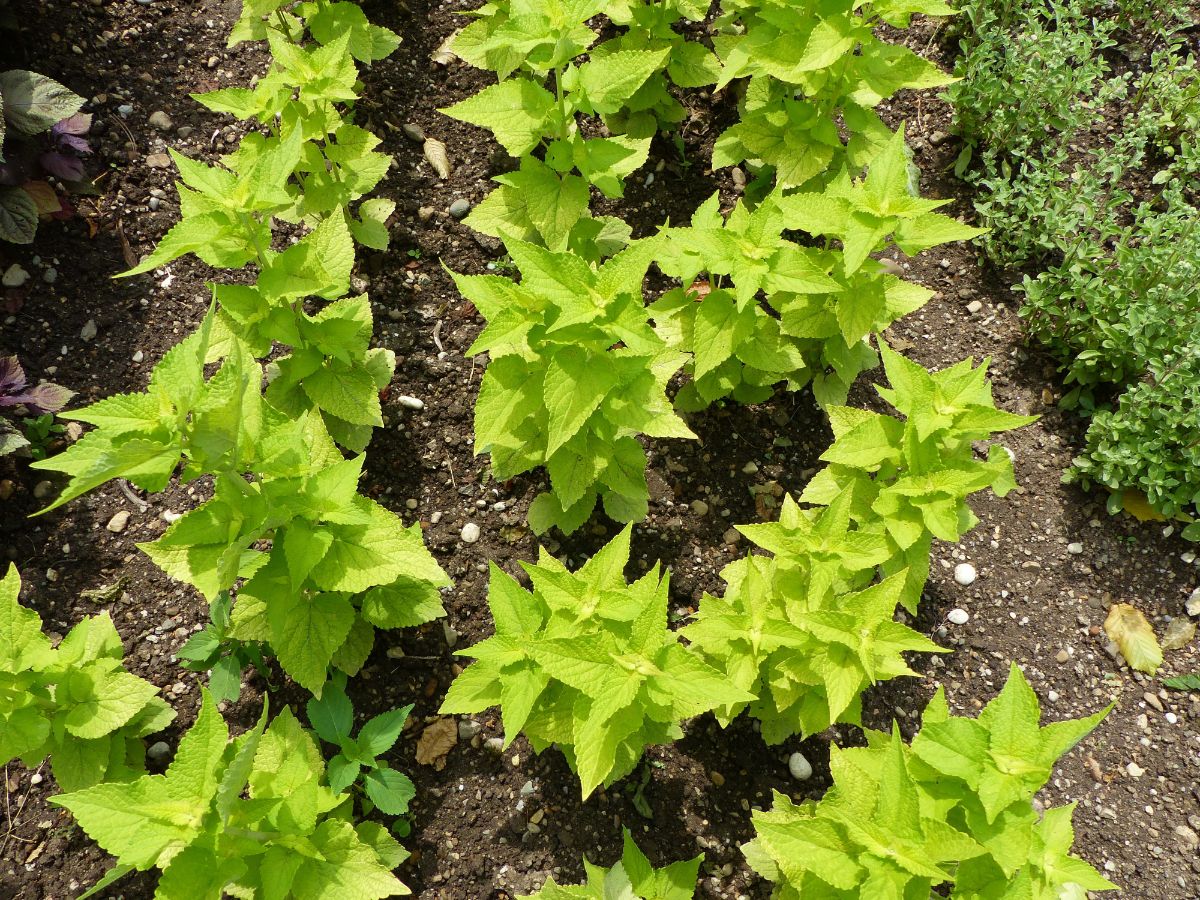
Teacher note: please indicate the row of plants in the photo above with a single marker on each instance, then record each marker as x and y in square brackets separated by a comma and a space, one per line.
[316, 566]
[1107, 235]
[785, 288]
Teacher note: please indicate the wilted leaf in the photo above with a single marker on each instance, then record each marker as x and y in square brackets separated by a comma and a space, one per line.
[1136, 504]
[435, 152]
[1178, 634]
[443, 55]
[1129, 630]
[436, 740]
[45, 198]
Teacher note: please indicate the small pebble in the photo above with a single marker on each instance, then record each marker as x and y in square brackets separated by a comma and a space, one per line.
[158, 161]
[958, 617]
[118, 522]
[159, 750]
[459, 208]
[88, 331]
[14, 276]
[800, 767]
[1134, 770]
[35, 778]
[410, 402]
[1193, 603]
[964, 574]
[974, 307]
[470, 533]
[494, 745]
[1075, 548]
[138, 356]
[699, 507]
[467, 729]
[160, 120]
[414, 132]
[50, 275]
[42, 490]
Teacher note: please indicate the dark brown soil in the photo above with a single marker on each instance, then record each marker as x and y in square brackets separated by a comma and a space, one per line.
[487, 825]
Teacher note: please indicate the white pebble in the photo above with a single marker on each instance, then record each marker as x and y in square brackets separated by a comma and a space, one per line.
[964, 574]
[957, 617]
[138, 356]
[1075, 548]
[14, 276]
[1134, 770]
[470, 533]
[410, 402]
[1171, 718]
[1193, 603]
[35, 778]
[118, 522]
[800, 767]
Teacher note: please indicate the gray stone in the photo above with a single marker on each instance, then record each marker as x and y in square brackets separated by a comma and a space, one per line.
[460, 208]
[158, 751]
[470, 533]
[160, 120]
[799, 766]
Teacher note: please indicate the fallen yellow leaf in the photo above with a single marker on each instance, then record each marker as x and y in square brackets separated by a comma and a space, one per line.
[1136, 504]
[1128, 629]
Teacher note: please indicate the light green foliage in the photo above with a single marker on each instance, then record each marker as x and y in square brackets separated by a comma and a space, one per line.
[737, 347]
[955, 808]
[806, 631]
[586, 662]
[248, 818]
[545, 87]
[910, 478]
[75, 702]
[811, 63]
[827, 300]
[576, 374]
[332, 718]
[632, 878]
[338, 564]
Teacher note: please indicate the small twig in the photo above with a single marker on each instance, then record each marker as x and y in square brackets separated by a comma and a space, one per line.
[137, 501]
[450, 466]
[437, 336]
[12, 820]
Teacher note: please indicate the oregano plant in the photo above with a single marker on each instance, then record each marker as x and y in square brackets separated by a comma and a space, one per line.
[74, 702]
[585, 662]
[251, 817]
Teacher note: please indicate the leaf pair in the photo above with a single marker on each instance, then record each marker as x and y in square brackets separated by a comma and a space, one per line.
[632, 878]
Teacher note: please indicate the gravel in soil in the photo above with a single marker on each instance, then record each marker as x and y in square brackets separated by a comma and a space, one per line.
[489, 825]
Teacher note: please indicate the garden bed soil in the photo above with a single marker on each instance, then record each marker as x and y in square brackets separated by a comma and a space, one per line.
[489, 825]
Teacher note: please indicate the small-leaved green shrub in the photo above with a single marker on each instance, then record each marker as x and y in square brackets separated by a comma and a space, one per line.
[249, 818]
[576, 375]
[632, 878]
[954, 809]
[586, 662]
[74, 703]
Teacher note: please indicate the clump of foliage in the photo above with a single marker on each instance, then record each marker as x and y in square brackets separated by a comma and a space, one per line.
[1116, 299]
[586, 662]
[632, 878]
[339, 564]
[792, 631]
[358, 758]
[253, 817]
[1150, 443]
[623, 81]
[74, 703]
[812, 65]
[34, 404]
[954, 809]
[910, 478]
[42, 136]
[576, 374]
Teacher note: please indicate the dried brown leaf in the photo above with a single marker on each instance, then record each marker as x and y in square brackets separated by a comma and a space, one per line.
[436, 740]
